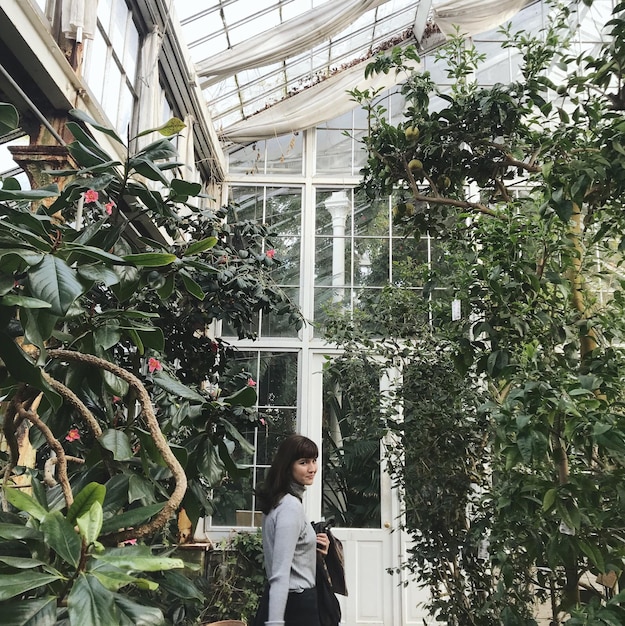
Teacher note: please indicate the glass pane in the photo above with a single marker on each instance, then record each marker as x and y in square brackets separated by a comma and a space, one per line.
[288, 251]
[283, 213]
[248, 159]
[274, 325]
[277, 379]
[284, 154]
[351, 444]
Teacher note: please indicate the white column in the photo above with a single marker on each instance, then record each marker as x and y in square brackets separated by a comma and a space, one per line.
[338, 206]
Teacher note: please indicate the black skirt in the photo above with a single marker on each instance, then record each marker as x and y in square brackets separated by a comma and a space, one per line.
[301, 609]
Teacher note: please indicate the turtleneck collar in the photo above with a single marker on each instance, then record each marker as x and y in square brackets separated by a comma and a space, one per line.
[297, 489]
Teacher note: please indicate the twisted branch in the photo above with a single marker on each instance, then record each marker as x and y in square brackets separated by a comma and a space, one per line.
[160, 442]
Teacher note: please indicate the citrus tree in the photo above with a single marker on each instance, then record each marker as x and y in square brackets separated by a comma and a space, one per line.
[522, 185]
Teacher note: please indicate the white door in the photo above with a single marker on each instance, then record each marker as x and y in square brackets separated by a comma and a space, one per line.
[374, 547]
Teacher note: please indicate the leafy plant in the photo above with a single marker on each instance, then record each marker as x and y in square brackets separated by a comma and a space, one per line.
[100, 282]
[236, 578]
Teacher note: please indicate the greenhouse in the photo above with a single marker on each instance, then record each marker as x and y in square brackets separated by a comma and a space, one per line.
[395, 227]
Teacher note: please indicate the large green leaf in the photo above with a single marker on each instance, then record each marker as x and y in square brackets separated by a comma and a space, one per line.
[131, 518]
[30, 612]
[98, 274]
[84, 500]
[83, 117]
[24, 502]
[191, 286]
[127, 559]
[55, 282]
[22, 368]
[24, 301]
[90, 523]
[12, 585]
[17, 531]
[118, 443]
[90, 603]
[9, 118]
[19, 562]
[176, 388]
[134, 614]
[60, 535]
[151, 259]
[114, 580]
[243, 397]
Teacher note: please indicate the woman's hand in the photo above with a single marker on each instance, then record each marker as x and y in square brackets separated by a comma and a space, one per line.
[323, 543]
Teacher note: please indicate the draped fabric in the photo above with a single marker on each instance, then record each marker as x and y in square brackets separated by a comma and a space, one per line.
[285, 40]
[310, 107]
[474, 16]
[79, 19]
[150, 95]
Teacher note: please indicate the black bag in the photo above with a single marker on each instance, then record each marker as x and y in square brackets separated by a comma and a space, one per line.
[330, 578]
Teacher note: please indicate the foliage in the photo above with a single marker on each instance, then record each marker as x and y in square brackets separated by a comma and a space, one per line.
[522, 184]
[102, 284]
[236, 578]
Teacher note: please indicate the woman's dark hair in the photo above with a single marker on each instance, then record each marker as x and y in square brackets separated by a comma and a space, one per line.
[279, 476]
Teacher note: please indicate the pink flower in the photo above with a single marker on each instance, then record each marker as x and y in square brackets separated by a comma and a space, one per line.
[271, 253]
[251, 382]
[154, 365]
[116, 398]
[108, 207]
[73, 435]
[129, 542]
[91, 195]
[263, 421]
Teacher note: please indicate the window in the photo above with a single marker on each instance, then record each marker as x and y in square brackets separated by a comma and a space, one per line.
[275, 374]
[110, 64]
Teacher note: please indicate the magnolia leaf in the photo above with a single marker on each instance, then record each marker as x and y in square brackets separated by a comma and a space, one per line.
[125, 561]
[17, 531]
[19, 562]
[243, 397]
[118, 443]
[150, 259]
[175, 387]
[84, 500]
[55, 282]
[25, 502]
[9, 118]
[131, 518]
[200, 246]
[114, 580]
[83, 117]
[136, 614]
[24, 301]
[172, 127]
[12, 585]
[90, 603]
[90, 523]
[30, 612]
[191, 286]
[60, 535]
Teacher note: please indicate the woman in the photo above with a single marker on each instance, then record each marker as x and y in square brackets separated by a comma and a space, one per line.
[289, 541]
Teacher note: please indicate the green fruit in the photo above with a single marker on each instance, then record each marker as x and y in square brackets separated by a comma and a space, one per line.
[412, 133]
[415, 165]
[444, 182]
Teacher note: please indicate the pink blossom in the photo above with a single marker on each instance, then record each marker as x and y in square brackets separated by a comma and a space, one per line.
[129, 542]
[154, 365]
[73, 435]
[91, 195]
[271, 253]
[116, 398]
[263, 421]
[108, 207]
[251, 382]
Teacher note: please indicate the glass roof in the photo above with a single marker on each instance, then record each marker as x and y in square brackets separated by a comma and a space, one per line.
[220, 25]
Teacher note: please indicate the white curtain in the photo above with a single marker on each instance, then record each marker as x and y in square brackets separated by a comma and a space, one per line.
[150, 95]
[79, 18]
[474, 16]
[286, 40]
[309, 107]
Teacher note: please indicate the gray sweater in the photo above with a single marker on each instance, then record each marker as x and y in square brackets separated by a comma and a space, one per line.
[289, 545]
